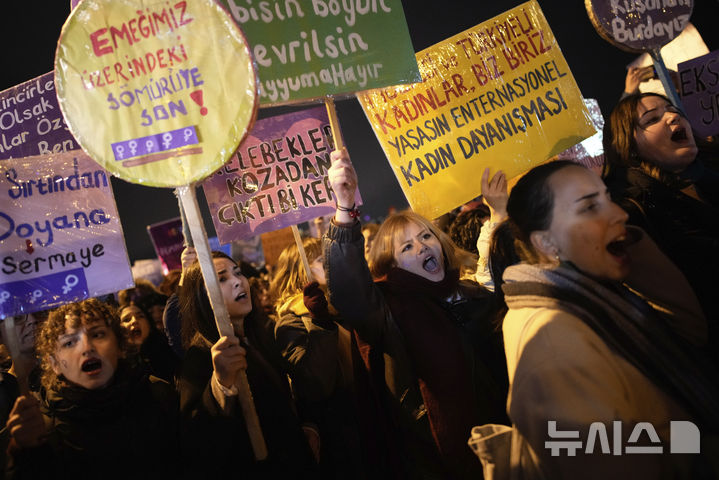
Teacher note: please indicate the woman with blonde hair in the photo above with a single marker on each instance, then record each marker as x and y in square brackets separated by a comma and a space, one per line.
[289, 277]
[436, 355]
[323, 362]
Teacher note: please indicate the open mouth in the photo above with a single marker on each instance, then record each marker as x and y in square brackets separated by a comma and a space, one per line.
[618, 247]
[135, 333]
[679, 135]
[430, 264]
[92, 365]
[241, 297]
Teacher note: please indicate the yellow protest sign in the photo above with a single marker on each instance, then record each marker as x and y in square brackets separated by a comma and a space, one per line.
[498, 95]
[157, 93]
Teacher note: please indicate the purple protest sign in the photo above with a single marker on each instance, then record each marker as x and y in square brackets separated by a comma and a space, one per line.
[168, 240]
[159, 142]
[60, 235]
[639, 25]
[31, 122]
[41, 293]
[277, 177]
[699, 89]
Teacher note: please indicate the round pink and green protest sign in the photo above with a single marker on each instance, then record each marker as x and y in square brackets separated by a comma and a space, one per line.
[639, 25]
[158, 93]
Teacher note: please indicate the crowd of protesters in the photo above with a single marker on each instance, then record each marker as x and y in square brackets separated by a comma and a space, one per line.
[571, 301]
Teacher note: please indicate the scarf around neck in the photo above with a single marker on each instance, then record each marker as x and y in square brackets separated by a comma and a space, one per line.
[73, 402]
[433, 343]
[629, 325]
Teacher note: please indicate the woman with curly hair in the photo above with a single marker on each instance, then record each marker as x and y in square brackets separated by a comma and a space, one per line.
[96, 411]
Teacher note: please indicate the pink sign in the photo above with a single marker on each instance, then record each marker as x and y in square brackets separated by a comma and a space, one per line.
[277, 177]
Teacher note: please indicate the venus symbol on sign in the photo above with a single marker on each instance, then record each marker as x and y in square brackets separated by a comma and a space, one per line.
[120, 150]
[186, 133]
[35, 295]
[70, 282]
[4, 296]
[133, 147]
[166, 140]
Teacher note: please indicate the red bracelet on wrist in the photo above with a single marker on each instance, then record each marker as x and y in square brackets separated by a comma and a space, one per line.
[353, 211]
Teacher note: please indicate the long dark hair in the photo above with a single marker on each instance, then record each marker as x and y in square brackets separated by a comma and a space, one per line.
[195, 309]
[143, 308]
[620, 147]
[529, 209]
[198, 319]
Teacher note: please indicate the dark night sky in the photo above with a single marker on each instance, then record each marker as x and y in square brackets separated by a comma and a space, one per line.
[30, 30]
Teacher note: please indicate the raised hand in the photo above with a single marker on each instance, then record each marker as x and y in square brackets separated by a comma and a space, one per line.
[187, 258]
[635, 76]
[494, 193]
[343, 179]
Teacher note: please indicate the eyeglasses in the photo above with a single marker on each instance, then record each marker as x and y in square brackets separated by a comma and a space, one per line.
[655, 115]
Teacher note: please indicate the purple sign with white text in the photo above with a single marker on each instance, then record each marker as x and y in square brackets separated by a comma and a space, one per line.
[277, 177]
[159, 142]
[639, 25]
[31, 122]
[699, 89]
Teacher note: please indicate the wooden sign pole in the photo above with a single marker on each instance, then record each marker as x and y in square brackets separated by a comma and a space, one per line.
[303, 254]
[188, 198]
[13, 345]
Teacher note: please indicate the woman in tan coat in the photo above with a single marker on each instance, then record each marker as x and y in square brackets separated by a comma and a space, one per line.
[602, 333]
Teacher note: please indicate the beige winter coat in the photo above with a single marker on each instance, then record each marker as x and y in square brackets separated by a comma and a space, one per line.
[561, 370]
